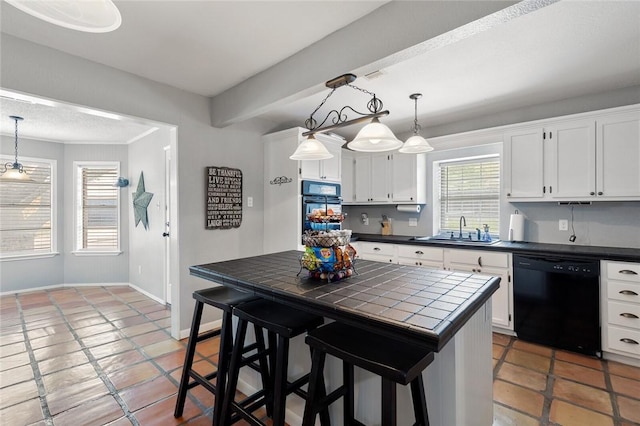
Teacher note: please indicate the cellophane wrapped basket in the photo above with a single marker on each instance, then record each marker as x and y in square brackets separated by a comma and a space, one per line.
[328, 255]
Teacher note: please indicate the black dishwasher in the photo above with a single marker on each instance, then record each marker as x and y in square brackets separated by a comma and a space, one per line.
[557, 302]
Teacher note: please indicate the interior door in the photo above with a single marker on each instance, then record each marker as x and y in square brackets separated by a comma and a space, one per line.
[167, 222]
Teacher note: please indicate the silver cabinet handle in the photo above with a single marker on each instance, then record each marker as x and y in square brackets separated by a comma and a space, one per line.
[628, 292]
[480, 260]
[419, 252]
[627, 340]
[628, 315]
[628, 272]
[376, 249]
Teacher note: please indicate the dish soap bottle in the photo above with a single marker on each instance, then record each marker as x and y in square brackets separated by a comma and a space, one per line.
[485, 236]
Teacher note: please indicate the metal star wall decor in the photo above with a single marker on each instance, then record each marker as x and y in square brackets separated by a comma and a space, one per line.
[141, 200]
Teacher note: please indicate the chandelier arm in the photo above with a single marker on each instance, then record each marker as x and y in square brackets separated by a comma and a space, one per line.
[342, 124]
[311, 122]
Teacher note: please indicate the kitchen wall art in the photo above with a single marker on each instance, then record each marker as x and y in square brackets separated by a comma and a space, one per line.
[141, 200]
[223, 198]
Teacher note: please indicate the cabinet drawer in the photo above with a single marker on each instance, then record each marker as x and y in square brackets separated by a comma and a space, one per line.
[625, 291]
[376, 248]
[623, 271]
[626, 314]
[478, 258]
[421, 253]
[625, 340]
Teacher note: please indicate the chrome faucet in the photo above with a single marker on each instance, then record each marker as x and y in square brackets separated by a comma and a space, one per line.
[462, 220]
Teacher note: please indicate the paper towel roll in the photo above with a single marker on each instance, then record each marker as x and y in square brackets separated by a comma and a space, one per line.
[516, 227]
[409, 208]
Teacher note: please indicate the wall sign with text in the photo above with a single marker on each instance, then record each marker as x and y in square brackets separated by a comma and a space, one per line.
[224, 198]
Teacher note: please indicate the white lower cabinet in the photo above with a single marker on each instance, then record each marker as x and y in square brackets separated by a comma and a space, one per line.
[488, 263]
[431, 257]
[379, 252]
[620, 308]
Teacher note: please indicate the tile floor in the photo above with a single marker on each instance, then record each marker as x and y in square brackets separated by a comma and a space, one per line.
[104, 356]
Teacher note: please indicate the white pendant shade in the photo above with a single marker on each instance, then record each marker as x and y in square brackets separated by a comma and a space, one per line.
[374, 137]
[14, 174]
[416, 144]
[94, 16]
[311, 149]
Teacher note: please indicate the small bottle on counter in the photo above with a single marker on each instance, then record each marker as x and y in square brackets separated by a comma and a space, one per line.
[485, 236]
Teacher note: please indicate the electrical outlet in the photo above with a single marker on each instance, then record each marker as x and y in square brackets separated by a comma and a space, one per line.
[413, 221]
[365, 221]
[249, 201]
[563, 225]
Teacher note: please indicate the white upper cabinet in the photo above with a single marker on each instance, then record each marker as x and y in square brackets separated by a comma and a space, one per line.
[618, 156]
[572, 160]
[409, 178]
[590, 159]
[523, 164]
[384, 178]
[348, 176]
[330, 169]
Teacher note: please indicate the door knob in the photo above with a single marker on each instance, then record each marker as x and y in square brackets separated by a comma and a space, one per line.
[165, 234]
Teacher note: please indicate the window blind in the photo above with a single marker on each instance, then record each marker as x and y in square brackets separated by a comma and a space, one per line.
[26, 212]
[470, 188]
[98, 218]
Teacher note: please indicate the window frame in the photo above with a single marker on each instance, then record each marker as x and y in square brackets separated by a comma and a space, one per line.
[53, 247]
[437, 204]
[78, 209]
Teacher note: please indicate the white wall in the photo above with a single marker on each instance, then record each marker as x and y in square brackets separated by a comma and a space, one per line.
[74, 80]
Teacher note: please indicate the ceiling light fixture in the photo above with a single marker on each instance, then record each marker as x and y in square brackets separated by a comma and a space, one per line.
[416, 144]
[93, 16]
[374, 137]
[15, 171]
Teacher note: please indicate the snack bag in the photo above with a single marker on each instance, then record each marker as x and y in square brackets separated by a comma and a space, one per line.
[326, 256]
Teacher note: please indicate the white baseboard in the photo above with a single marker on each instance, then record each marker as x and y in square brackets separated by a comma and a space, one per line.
[203, 327]
[63, 285]
[146, 293]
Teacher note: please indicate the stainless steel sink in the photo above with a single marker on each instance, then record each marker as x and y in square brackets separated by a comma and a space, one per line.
[460, 241]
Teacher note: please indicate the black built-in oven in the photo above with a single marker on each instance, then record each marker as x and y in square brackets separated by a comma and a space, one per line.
[320, 199]
[557, 302]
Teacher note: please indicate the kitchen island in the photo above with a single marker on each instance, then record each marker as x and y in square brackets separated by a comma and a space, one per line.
[448, 312]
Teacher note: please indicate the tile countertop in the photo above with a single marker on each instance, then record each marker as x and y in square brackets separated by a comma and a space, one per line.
[590, 252]
[421, 305]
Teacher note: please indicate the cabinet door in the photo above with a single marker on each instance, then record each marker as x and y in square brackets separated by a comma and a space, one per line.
[618, 156]
[523, 164]
[572, 149]
[362, 177]
[310, 169]
[379, 178]
[404, 178]
[348, 178]
[331, 169]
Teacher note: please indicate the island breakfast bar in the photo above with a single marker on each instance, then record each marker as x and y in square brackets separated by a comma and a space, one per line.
[446, 311]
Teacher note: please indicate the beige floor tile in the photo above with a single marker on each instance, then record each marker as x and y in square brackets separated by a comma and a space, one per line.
[625, 386]
[73, 396]
[624, 370]
[629, 408]
[97, 412]
[529, 360]
[63, 378]
[520, 398]
[25, 413]
[14, 361]
[164, 347]
[579, 373]
[533, 348]
[17, 393]
[523, 376]
[582, 395]
[16, 375]
[52, 365]
[566, 414]
[504, 416]
[584, 360]
[133, 375]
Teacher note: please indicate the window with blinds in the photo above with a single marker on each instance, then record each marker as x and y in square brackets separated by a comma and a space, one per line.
[97, 217]
[26, 213]
[470, 188]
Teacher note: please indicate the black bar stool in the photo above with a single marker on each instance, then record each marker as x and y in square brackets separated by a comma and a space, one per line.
[282, 324]
[226, 299]
[394, 360]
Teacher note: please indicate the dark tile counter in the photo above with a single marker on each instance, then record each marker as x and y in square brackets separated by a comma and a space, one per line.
[426, 306]
[587, 252]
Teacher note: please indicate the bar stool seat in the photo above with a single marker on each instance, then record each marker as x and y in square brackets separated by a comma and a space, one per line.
[395, 361]
[282, 323]
[226, 299]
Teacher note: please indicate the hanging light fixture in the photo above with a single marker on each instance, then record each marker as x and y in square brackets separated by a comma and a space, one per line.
[93, 16]
[15, 171]
[374, 137]
[416, 144]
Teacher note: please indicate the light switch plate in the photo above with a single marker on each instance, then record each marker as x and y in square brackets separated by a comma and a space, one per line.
[249, 201]
[413, 221]
[563, 225]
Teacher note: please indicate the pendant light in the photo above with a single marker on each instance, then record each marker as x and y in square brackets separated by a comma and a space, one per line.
[15, 171]
[373, 137]
[93, 16]
[311, 149]
[416, 144]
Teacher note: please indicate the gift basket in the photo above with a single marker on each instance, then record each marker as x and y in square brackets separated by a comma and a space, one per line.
[328, 255]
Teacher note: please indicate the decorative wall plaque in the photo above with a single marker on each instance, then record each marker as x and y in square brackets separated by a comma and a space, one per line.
[224, 198]
[141, 200]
